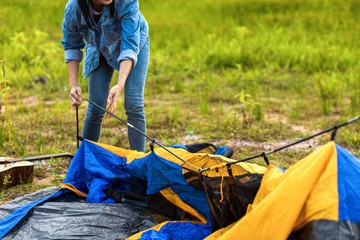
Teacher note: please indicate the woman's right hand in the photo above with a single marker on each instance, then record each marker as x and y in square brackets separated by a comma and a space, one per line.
[75, 96]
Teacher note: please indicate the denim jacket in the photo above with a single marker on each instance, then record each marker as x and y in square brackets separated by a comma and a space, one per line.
[117, 38]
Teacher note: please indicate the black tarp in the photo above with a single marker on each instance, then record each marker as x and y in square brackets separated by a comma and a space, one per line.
[70, 217]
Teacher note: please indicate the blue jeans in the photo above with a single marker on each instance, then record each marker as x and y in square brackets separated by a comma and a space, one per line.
[99, 84]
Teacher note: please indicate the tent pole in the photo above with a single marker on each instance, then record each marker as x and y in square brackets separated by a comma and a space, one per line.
[140, 132]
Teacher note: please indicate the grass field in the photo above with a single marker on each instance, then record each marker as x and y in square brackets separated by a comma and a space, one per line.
[252, 75]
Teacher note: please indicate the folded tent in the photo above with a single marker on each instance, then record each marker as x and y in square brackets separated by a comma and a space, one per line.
[321, 190]
[106, 174]
[317, 198]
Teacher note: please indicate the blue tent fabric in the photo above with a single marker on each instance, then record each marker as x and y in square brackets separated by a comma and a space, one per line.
[99, 171]
[221, 150]
[179, 146]
[179, 230]
[103, 168]
[348, 186]
[157, 171]
[161, 174]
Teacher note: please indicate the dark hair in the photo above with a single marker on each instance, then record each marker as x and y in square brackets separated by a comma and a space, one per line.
[84, 7]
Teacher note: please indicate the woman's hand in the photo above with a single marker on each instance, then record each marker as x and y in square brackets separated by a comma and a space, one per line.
[75, 90]
[115, 91]
[75, 96]
[112, 99]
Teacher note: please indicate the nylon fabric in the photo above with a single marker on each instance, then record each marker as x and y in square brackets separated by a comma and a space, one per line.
[306, 201]
[162, 174]
[323, 201]
[349, 186]
[174, 230]
[268, 219]
[159, 169]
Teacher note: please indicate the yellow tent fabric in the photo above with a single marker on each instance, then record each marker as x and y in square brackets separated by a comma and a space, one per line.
[287, 201]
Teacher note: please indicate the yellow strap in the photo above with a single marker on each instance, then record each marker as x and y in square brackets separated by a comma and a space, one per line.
[219, 168]
[221, 186]
[6, 103]
[74, 189]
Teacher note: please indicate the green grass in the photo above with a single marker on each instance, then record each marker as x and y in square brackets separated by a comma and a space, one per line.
[298, 61]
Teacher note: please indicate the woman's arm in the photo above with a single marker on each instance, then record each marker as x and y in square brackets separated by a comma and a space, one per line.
[125, 67]
[130, 41]
[73, 43]
[130, 33]
[75, 90]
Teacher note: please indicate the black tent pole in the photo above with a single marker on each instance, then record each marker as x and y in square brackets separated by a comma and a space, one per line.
[77, 127]
[334, 129]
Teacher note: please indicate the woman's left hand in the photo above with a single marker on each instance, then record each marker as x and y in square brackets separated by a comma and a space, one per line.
[115, 91]
[112, 99]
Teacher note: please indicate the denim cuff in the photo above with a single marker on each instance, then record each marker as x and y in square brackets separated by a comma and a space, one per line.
[73, 54]
[128, 55]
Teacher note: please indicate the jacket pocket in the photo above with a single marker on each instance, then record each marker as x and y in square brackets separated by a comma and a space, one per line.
[87, 34]
[111, 33]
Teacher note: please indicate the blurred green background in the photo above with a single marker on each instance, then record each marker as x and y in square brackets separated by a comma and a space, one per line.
[230, 72]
